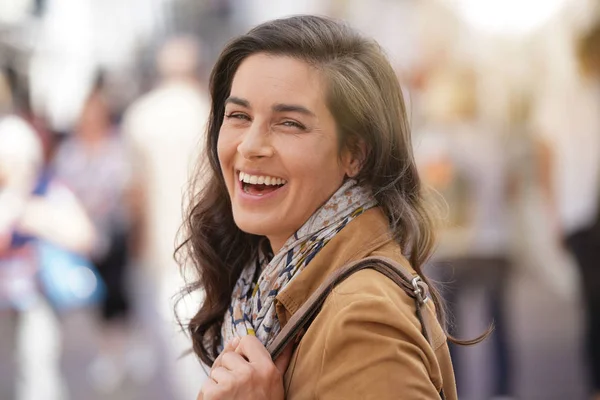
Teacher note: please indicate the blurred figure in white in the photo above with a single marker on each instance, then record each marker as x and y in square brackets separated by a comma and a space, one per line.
[567, 122]
[165, 131]
[33, 207]
[463, 158]
[94, 163]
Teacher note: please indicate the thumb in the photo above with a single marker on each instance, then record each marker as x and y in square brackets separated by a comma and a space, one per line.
[284, 358]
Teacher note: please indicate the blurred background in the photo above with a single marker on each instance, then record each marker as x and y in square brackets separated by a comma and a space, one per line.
[103, 105]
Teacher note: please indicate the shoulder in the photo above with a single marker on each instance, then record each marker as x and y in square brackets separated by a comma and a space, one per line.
[370, 295]
[17, 124]
[18, 139]
[366, 332]
[368, 287]
[369, 284]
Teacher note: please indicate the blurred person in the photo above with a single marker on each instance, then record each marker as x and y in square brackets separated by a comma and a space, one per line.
[464, 159]
[309, 160]
[163, 129]
[34, 207]
[94, 164]
[567, 124]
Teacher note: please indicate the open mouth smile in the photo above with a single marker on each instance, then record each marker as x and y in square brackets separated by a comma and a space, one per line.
[259, 185]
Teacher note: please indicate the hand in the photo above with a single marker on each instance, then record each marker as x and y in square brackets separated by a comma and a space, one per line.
[244, 370]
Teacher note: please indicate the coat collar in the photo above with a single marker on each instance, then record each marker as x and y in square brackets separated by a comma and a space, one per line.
[362, 236]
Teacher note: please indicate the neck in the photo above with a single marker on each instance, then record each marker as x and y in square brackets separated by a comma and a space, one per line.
[277, 243]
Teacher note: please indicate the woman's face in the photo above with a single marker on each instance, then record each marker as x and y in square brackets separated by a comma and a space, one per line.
[278, 146]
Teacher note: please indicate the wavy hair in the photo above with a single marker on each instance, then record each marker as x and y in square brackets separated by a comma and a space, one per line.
[365, 99]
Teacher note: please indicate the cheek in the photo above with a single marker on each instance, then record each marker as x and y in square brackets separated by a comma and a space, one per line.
[226, 152]
[225, 148]
[317, 166]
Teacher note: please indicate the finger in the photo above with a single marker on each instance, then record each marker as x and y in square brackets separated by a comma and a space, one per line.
[209, 388]
[217, 362]
[229, 347]
[221, 375]
[232, 344]
[253, 350]
[233, 361]
[283, 361]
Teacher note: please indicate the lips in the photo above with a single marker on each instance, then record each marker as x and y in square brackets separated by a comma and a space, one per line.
[259, 185]
[261, 179]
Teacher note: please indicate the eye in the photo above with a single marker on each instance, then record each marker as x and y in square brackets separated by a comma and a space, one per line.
[237, 115]
[293, 124]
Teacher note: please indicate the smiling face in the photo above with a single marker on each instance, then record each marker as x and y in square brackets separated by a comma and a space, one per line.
[278, 146]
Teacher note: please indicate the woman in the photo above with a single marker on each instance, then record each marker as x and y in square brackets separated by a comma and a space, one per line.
[310, 167]
[95, 166]
[34, 208]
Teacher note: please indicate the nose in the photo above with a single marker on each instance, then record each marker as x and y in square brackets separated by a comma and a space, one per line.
[256, 142]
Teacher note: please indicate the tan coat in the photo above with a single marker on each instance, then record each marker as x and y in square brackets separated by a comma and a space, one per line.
[366, 343]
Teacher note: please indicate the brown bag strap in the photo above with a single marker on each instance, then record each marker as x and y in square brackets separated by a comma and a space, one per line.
[413, 285]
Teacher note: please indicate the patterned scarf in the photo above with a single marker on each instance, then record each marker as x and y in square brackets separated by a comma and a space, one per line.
[252, 309]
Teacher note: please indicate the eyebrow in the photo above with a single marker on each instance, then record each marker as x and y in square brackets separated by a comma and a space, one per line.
[238, 101]
[276, 108]
[292, 108]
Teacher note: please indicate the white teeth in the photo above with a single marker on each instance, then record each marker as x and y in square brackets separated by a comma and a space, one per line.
[260, 180]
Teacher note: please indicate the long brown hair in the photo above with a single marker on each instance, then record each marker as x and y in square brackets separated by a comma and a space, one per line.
[364, 96]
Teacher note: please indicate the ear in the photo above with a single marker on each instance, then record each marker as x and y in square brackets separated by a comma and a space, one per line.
[354, 158]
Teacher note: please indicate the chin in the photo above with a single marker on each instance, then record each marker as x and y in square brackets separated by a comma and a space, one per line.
[251, 224]
[260, 225]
